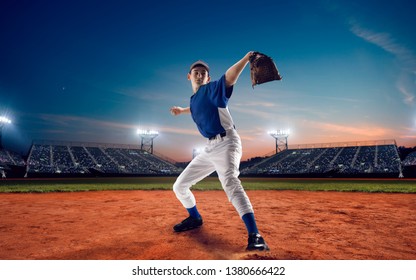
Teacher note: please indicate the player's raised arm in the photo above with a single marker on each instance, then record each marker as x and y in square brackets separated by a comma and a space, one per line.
[232, 74]
[176, 110]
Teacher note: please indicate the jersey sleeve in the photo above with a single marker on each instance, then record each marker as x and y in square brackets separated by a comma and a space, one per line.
[219, 93]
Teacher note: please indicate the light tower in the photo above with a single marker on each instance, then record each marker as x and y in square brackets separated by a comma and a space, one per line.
[281, 138]
[3, 121]
[147, 139]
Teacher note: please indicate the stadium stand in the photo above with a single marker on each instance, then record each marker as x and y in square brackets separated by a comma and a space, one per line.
[346, 161]
[72, 159]
[409, 163]
[11, 164]
[10, 158]
[410, 159]
[76, 159]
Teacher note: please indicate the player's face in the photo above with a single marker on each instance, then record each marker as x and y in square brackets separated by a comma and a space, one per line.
[199, 76]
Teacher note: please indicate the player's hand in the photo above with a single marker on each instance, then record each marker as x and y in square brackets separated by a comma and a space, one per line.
[175, 110]
[249, 55]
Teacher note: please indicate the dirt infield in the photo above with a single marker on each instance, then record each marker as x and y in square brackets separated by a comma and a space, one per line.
[125, 225]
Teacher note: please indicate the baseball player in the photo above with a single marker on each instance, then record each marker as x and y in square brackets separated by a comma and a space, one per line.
[222, 153]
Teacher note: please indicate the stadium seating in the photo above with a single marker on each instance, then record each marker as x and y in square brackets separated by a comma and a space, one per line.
[88, 159]
[91, 159]
[343, 161]
[410, 160]
[10, 158]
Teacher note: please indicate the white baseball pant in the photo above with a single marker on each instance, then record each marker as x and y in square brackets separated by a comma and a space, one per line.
[222, 154]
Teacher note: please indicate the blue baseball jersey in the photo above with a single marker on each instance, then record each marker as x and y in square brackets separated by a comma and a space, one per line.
[209, 108]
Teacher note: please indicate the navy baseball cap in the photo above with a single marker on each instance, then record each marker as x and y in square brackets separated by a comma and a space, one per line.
[199, 63]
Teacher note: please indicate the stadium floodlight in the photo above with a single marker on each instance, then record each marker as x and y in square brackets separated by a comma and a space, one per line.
[147, 133]
[3, 121]
[281, 138]
[279, 133]
[147, 136]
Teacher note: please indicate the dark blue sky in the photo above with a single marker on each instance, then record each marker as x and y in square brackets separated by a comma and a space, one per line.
[97, 70]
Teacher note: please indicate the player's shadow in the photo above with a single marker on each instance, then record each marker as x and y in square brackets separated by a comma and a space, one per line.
[214, 242]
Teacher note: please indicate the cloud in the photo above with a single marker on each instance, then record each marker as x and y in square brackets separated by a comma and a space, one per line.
[257, 113]
[408, 96]
[72, 121]
[408, 132]
[385, 41]
[269, 111]
[365, 130]
[405, 83]
[340, 99]
[256, 104]
[182, 131]
[404, 55]
[83, 124]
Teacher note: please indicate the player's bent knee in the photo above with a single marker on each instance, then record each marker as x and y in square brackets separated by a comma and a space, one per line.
[176, 188]
[179, 189]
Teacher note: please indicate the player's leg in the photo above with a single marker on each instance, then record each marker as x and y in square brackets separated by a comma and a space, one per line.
[226, 159]
[197, 169]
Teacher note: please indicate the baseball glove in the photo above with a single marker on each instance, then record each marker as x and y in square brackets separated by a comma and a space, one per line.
[262, 69]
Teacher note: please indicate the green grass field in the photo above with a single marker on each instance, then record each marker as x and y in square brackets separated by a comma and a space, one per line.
[210, 183]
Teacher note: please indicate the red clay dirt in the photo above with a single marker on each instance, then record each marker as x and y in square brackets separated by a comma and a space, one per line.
[137, 225]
